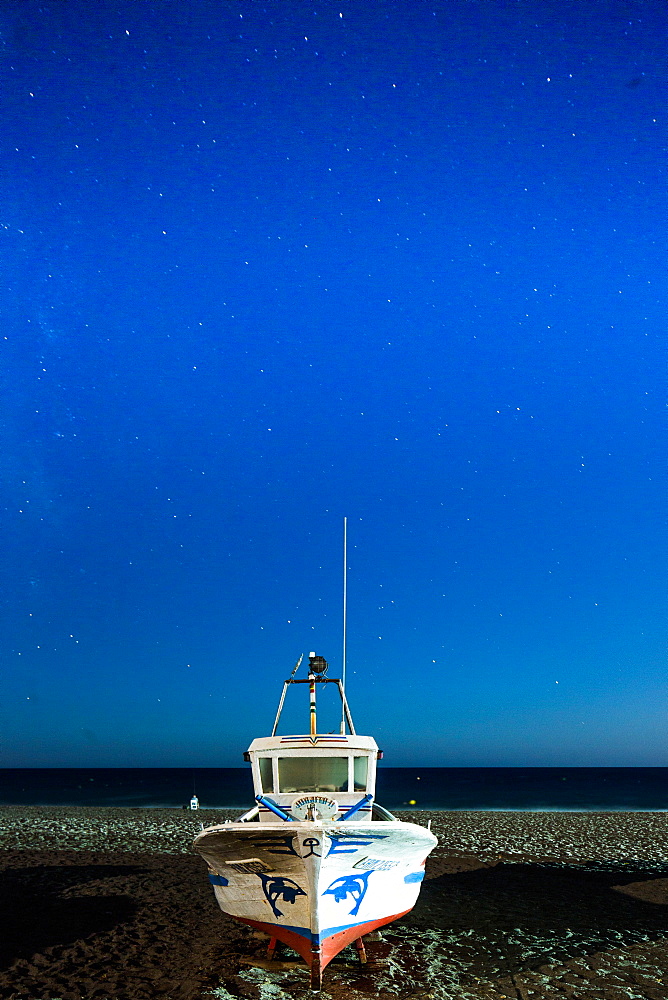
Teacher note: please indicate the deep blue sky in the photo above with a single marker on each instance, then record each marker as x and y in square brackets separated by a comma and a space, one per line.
[267, 264]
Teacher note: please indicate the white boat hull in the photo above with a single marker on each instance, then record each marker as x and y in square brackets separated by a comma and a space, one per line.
[316, 886]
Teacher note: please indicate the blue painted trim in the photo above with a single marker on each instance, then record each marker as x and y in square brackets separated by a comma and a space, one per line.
[358, 805]
[274, 808]
[328, 932]
[217, 879]
[314, 739]
[302, 931]
[414, 877]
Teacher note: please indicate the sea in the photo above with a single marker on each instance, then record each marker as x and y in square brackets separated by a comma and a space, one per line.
[470, 788]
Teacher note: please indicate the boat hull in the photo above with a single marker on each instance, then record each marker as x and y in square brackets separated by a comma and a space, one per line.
[316, 886]
[329, 947]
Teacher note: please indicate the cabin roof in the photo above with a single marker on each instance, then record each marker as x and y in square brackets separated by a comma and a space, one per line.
[322, 741]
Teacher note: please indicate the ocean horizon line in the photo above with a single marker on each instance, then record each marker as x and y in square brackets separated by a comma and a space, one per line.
[398, 788]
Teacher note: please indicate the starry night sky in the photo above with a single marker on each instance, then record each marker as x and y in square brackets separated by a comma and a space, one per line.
[267, 264]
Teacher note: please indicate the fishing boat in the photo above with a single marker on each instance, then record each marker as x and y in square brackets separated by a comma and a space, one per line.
[317, 863]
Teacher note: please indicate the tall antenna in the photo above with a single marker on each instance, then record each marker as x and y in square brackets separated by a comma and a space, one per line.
[345, 612]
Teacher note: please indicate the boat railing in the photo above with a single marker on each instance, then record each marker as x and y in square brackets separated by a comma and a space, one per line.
[250, 815]
[379, 812]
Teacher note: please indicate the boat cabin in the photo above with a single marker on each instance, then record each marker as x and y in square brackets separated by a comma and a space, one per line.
[287, 768]
[334, 773]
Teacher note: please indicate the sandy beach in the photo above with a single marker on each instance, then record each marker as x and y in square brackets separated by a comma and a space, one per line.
[113, 904]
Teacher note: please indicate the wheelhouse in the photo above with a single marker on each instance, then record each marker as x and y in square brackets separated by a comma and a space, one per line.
[339, 768]
[288, 767]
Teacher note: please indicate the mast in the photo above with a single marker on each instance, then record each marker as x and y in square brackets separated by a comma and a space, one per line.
[345, 623]
[311, 691]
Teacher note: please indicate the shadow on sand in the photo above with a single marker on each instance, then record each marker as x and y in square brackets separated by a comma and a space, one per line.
[38, 913]
[530, 914]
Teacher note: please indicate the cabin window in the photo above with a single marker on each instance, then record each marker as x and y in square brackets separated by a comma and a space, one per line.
[360, 772]
[266, 776]
[313, 774]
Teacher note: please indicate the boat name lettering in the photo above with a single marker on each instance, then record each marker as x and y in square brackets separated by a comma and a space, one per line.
[276, 845]
[310, 806]
[251, 866]
[375, 864]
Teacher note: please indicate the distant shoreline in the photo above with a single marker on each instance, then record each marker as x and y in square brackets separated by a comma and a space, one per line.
[210, 809]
